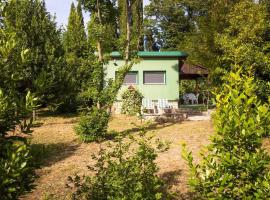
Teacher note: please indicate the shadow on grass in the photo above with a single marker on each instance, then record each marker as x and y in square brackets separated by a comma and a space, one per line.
[171, 179]
[149, 127]
[49, 154]
[111, 135]
[47, 113]
[37, 124]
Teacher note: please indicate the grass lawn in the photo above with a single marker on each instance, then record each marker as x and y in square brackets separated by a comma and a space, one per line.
[61, 154]
[196, 107]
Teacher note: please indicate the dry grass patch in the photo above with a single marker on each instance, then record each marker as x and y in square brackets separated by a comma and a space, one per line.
[61, 154]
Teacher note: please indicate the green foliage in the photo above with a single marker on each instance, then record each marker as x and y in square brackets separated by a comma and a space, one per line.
[235, 166]
[187, 86]
[36, 42]
[78, 59]
[122, 173]
[97, 92]
[105, 33]
[132, 102]
[243, 42]
[136, 23]
[75, 40]
[16, 176]
[173, 20]
[101, 99]
[110, 92]
[102, 27]
[7, 114]
[27, 106]
[16, 173]
[93, 125]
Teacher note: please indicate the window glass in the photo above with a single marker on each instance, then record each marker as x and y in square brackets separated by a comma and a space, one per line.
[130, 78]
[154, 77]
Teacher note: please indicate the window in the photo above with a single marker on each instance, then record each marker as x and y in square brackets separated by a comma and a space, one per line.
[154, 77]
[131, 78]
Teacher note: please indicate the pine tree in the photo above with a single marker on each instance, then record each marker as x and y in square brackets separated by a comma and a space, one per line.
[79, 12]
[75, 37]
[76, 53]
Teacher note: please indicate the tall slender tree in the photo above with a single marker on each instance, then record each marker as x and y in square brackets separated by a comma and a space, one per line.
[75, 40]
[79, 12]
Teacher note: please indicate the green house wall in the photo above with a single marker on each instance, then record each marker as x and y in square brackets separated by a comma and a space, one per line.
[169, 90]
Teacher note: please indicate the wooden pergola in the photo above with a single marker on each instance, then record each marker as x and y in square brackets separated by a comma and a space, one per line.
[192, 72]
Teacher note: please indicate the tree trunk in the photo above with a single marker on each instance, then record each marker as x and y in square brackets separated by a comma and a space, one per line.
[99, 46]
[129, 16]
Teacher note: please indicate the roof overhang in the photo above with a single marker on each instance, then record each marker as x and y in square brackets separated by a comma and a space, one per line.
[190, 71]
[154, 54]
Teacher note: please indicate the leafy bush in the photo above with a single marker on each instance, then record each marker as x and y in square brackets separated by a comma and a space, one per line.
[26, 108]
[16, 176]
[236, 166]
[93, 126]
[16, 173]
[122, 173]
[132, 102]
[7, 114]
[187, 86]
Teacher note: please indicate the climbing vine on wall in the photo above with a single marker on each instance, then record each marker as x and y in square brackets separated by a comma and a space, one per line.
[132, 101]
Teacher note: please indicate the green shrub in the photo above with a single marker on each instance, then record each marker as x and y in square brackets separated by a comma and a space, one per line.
[236, 166]
[7, 114]
[132, 102]
[93, 126]
[187, 86]
[25, 114]
[16, 175]
[122, 173]
[16, 172]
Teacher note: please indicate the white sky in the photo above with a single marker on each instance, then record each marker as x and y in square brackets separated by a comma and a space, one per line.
[60, 8]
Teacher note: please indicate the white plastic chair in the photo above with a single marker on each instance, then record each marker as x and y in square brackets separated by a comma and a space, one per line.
[148, 104]
[163, 103]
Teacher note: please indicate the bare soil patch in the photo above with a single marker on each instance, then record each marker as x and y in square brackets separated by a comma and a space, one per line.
[61, 154]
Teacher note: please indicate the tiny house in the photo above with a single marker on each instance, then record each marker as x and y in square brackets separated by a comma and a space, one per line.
[156, 76]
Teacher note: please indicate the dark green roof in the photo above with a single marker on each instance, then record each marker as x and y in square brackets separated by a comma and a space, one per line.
[155, 54]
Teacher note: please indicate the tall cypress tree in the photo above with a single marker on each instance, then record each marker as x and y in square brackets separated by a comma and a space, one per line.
[79, 12]
[75, 37]
[76, 53]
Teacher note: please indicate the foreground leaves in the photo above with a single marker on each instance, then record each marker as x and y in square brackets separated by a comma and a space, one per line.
[236, 165]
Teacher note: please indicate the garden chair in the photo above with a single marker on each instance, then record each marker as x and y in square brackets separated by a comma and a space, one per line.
[148, 105]
[191, 97]
[163, 105]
